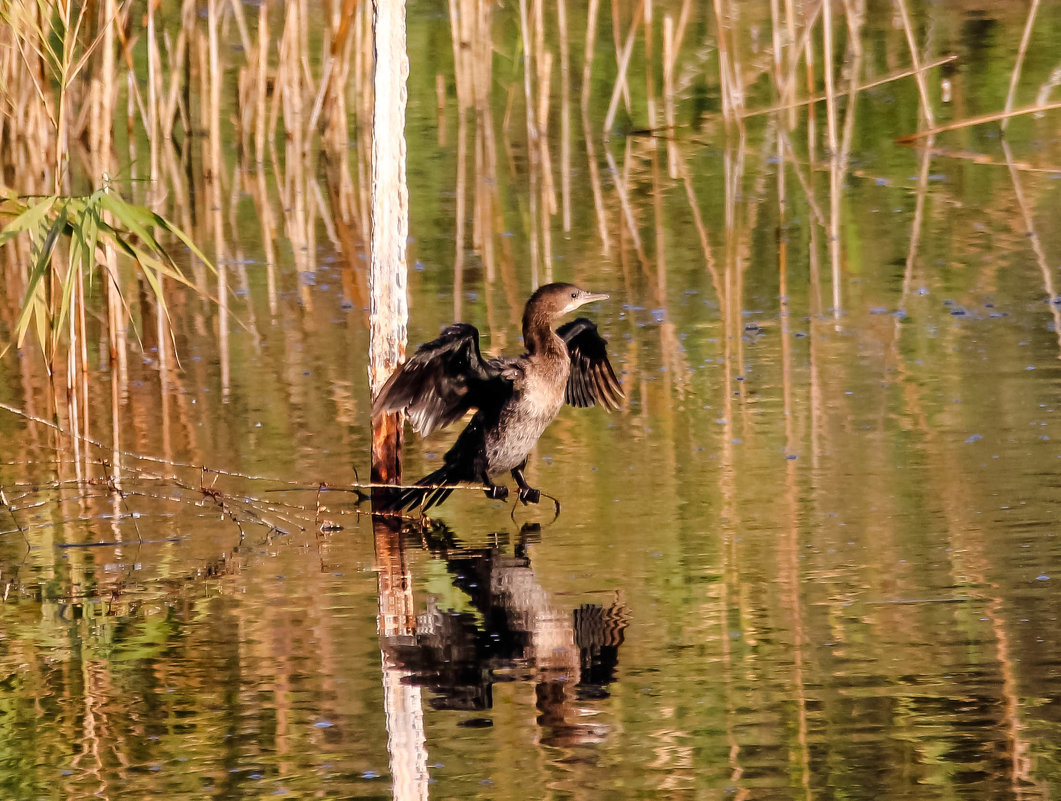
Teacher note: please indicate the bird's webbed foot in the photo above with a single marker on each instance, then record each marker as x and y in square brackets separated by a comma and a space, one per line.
[497, 492]
[527, 493]
[530, 495]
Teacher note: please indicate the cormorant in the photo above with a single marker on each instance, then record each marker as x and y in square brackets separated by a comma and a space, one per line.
[515, 398]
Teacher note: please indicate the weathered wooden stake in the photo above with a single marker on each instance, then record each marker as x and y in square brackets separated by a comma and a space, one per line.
[389, 311]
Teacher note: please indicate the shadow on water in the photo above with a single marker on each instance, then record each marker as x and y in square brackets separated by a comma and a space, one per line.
[515, 630]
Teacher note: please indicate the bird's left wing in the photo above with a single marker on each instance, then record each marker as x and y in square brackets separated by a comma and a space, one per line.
[441, 381]
[592, 378]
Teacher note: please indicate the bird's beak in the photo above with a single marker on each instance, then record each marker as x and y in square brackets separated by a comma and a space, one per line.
[590, 297]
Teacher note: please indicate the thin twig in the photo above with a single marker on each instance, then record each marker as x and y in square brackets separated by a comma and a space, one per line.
[980, 120]
[11, 511]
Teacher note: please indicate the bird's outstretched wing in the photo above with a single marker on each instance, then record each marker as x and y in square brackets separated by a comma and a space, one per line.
[444, 379]
[592, 378]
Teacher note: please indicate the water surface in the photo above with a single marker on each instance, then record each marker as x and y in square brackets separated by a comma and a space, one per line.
[815, 555]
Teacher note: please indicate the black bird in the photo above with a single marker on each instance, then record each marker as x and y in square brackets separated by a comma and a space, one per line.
[515, 398]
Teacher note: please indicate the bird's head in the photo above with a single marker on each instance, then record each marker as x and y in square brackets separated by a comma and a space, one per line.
[555, 300]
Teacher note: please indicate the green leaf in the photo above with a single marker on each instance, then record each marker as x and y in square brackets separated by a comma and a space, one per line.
[31, 220]
[34, 309]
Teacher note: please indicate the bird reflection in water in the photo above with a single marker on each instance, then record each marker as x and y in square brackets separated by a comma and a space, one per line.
[519, 634]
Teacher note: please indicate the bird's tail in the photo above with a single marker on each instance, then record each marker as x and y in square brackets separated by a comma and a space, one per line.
[429, 491]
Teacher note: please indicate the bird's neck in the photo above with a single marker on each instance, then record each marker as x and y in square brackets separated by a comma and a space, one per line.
[539, 337]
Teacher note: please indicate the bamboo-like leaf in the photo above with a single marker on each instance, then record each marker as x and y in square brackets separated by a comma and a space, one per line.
[86, 233]
[135, 218]
[31, 220]
[139, 220]
[183, 237]
[66, 298]
[131, 230]
[33, 306]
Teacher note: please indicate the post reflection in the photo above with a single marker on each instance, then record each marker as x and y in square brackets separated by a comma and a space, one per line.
[515, 630]
[406, 741]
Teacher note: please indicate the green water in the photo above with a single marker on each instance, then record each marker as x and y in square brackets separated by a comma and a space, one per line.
[816, 554]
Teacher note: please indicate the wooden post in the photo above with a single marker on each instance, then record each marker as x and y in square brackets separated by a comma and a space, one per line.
[388, 315]
[389, 311]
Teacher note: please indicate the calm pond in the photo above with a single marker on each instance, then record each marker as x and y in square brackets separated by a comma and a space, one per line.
[816, 554]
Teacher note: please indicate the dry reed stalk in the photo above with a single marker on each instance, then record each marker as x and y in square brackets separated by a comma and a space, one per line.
[331, 67]
[459, 39]
[489, 216]
[777, 46]
[261, 61]
[587, 129]
[362, 82]
[170, 106]
[669, 104]
[623, 59]
[544, 74]
[650, 84]
[153, 78]
[212, 94]
[679, 31]
[978, 120]
[460, 213]
[533, 147]
[118, 313]
[808, 59]
[545, 80]
[475, 81]
[672, 43]
[545, 164]
[820, 96]
[565, 114]
[617, 46]
[1014, 79]
[337, 130]
[464, 29]
[731, 101]
[855, 20]
[794, 49]
[241, 25]
[919, 75]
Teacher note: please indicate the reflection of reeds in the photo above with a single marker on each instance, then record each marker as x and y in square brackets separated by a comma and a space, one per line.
[919, 74]
[1022, 50]
[1036, 244]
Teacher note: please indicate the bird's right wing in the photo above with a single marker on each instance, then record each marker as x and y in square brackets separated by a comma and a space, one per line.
[592, 378]
[444, 379]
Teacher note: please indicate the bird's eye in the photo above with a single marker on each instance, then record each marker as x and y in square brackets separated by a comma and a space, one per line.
[574, 294]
